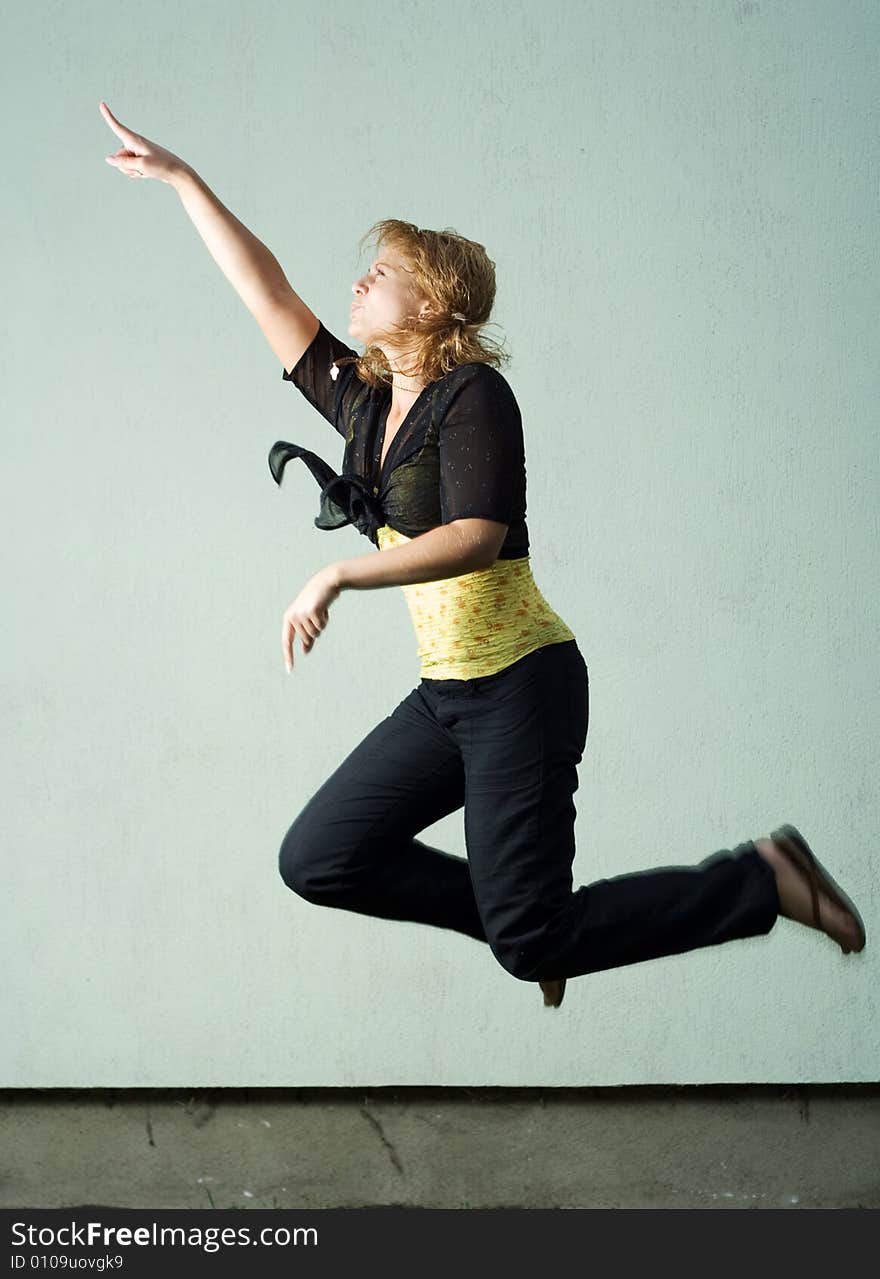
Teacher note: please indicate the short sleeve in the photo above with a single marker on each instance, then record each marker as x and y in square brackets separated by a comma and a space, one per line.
[482, 460]
[313, 374]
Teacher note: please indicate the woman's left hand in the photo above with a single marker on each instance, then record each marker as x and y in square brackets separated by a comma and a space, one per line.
[309, 613]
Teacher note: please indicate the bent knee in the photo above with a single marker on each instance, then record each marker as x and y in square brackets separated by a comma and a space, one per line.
[297, 866]
[524, 964]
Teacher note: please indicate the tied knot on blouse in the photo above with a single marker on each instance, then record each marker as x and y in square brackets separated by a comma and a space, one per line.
[345, 499]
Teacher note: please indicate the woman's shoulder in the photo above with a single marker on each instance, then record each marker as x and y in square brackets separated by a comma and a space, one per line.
[476, 369]
[476, 377]
[475, 393]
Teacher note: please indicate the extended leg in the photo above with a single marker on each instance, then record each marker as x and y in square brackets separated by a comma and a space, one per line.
[521, 755]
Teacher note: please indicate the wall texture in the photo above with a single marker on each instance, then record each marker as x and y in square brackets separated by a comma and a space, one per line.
[715, 1146]
[682, 203]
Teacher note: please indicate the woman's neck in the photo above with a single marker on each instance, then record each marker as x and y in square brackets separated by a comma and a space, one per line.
[405, 390]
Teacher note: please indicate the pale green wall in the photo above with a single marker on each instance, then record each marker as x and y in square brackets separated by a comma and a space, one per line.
[682, 202]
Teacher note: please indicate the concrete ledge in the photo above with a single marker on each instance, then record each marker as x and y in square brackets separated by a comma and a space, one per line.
[758, 1146]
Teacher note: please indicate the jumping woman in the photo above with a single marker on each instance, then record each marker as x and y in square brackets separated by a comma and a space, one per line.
[433, 474]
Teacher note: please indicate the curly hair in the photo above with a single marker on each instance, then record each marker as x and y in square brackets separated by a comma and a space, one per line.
[455, 274]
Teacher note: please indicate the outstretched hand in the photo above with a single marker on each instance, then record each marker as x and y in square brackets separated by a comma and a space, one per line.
[139, 157]
[309, 613]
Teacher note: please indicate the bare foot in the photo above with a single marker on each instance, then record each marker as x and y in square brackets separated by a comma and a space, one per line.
[796, 900]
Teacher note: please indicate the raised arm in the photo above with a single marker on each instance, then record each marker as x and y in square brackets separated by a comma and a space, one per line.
[251, 268]
[288, 325]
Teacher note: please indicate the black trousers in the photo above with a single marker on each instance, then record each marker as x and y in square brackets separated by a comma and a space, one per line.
[506, 747]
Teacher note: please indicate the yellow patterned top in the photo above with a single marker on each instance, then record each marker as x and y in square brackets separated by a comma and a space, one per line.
[480, 622]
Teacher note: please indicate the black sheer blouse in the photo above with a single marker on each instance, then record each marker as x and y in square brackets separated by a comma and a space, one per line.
[458, 453]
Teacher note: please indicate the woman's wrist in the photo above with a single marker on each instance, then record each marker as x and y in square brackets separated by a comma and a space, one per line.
[336, 575]
[181, 176]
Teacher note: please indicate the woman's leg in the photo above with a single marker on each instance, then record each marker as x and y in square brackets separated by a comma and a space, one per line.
[353, 844]
[522, 734]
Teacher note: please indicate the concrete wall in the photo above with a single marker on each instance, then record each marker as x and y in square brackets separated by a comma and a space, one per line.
[681, 200]
[644, 1147]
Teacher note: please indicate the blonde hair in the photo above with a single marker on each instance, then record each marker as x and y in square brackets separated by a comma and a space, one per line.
[454, 274]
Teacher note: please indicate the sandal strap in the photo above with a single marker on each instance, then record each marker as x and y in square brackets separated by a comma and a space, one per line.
[795, 853]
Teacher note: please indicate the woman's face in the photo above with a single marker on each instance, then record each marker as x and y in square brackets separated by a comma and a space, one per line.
[384, 295]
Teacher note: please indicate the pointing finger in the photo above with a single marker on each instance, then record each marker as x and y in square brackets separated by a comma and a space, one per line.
[287, 644]
[119, 129]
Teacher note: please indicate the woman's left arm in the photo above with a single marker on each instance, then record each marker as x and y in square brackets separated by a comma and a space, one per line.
[449, 550]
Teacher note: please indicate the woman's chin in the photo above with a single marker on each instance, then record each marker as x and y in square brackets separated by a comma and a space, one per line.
[356, 330]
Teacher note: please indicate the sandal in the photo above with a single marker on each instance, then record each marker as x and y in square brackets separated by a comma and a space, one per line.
[791, 842]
